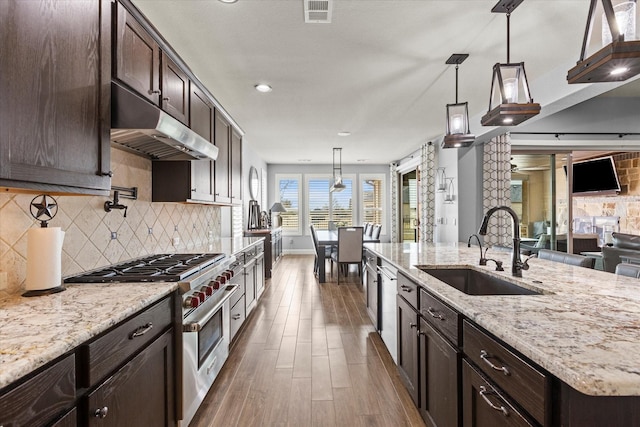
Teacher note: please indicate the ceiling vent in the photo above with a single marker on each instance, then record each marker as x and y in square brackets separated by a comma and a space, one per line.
[318, 11]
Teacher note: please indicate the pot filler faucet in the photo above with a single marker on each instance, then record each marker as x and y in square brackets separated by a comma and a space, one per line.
[516, 262]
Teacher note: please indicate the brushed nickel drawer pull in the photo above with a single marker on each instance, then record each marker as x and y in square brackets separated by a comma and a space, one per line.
[101, 412]
[484, 393]
[236, 316]
[485, 356]
[141, 331]
[435, 315]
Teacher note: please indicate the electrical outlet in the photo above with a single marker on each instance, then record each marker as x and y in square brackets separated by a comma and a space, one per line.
[150, 230]
[176, 241]
[210, 234]
[114, 235]
[175, 228]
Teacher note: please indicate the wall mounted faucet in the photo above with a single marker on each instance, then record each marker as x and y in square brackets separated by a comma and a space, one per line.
[109, 205]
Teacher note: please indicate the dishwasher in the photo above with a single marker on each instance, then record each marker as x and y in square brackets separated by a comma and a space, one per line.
[389, 321]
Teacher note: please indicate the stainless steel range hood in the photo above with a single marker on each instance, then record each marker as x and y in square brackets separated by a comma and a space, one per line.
[142, 128]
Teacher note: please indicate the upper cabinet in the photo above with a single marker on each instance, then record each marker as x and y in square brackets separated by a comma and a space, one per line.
[236, 167]
[175, 90]
[222, 166]
[55, 62]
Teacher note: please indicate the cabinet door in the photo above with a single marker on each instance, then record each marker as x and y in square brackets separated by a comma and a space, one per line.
[70, 419]
[141, 393]
[201, 113]
[259, 272]
[439, 379]
[236, 167]
[408, 347]
[372, 293]
[137, 56]
[175, 90]
[202, 180]
[484, 405]
[222, 141]
[55, 62]
[250, 285]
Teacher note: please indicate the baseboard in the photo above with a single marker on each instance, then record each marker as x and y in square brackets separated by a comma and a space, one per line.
[298, 252]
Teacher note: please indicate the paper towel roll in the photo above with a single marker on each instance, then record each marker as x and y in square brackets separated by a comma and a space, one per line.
[44, 258]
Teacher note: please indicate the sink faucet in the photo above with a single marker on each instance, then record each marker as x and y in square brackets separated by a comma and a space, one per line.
[516, 262]
[483, 260]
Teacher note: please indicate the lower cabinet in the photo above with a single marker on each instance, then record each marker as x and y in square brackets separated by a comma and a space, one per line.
[259, 277]
[408, 362]
[141, 393]
[484, 405]
[372, 288]
[250, 283]
[439, 375]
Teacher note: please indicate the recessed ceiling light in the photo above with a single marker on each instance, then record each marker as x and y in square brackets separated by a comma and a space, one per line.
[228, 1]
[264, 88]
[507, 120]
[304, 160]
[362, 160]
[344, 133]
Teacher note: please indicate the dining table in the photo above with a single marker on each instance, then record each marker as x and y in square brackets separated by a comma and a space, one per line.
[328, 238]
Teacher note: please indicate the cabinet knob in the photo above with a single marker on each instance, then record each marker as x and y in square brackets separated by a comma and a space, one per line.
[236, 316]
[167, 99]
[101, 413]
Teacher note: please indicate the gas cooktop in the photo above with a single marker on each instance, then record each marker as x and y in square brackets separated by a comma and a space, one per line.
[153, 268]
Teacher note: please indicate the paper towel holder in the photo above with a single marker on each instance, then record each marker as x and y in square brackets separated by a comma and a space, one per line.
[39, 210]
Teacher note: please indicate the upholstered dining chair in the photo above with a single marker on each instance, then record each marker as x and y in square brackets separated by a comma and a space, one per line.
[375, 231]
[629, 270]
[349, 249]
[327, 254]
[565, 258]
[367, 228]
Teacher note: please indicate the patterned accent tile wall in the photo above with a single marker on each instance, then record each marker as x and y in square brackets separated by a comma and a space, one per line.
[148, 228]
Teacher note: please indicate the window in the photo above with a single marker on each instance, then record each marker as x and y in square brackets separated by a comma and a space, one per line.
[288, 193]
[326, 207]
[372, 198]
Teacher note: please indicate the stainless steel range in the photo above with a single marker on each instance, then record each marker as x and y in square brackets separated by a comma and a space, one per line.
[206, 283]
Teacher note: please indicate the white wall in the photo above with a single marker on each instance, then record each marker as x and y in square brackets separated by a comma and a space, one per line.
[447, 219]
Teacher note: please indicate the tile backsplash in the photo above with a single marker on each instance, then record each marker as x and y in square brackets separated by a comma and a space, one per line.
[88, 244]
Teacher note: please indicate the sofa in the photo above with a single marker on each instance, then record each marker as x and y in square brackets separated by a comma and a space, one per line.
[622, 245]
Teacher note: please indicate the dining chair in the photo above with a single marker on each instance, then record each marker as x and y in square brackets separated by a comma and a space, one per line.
[349, 249]
[367, 227]
[375, 232]
[327, 249]
[629, 270]
[565, 258]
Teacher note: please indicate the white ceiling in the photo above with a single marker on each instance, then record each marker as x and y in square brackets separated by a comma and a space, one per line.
[377, 70]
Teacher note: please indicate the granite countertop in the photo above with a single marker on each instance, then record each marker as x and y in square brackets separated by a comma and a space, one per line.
[35, 331]
[584, 328]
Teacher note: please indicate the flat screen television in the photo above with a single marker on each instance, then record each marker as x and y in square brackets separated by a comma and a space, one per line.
[595, 177]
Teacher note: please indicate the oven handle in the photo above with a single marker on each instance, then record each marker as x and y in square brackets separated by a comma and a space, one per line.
[198, 323]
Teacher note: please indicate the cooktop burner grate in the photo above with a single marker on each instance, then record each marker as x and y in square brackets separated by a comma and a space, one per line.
[153, 268]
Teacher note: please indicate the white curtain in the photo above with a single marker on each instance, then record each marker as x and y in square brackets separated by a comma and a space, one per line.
[393, 174]
[497, 189]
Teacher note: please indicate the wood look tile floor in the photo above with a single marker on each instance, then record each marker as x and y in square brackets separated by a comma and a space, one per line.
[308, 356]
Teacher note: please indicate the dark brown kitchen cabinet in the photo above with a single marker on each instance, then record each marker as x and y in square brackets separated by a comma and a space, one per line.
[201, 113]
[222, 130]
[137, 56]
[56, 70]
[43, 397]
[235, 172]
[141, 393]
[485, 406]
[70, 419]
[439, 378]
[182, 181]
[175, 90]
[408, 362]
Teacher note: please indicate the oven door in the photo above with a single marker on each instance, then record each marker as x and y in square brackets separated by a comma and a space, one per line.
[205, 341]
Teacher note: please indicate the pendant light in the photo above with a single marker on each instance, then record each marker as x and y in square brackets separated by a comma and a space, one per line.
[337, 177]
[458, 134]
[617, 57]
[510, 102]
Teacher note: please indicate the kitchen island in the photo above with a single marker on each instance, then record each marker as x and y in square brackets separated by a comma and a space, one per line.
[583, 328]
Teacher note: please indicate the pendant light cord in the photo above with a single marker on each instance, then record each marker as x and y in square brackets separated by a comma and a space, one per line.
[457, 83]
[508, 38]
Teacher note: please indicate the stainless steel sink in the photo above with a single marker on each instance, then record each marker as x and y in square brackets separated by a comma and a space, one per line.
[473, 282]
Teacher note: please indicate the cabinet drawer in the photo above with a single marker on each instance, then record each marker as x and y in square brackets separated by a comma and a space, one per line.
[483, 405]
[408, 290]
[42, 397]
[443, 318]
[106, 353]
[237, 316]
[519, 379]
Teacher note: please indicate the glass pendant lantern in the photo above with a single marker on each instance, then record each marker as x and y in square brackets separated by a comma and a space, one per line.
[457, 134]
[510, 102]
[610, 42]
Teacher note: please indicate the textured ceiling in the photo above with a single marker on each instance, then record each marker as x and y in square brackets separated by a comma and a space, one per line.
[377, 70]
